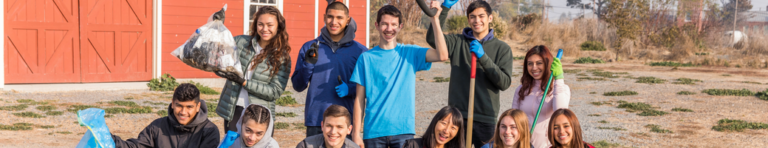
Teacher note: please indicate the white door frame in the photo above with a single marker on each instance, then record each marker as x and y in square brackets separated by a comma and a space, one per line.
[157, 41]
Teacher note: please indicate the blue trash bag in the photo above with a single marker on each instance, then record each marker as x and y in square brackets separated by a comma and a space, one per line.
[98, 135]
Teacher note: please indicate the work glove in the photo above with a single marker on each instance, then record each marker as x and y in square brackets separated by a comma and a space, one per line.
[229, 139]
[231, 76]
[311, 55]
[219, 15]
[557, 69]
[449, 3]
[342, 89]
[476, 48]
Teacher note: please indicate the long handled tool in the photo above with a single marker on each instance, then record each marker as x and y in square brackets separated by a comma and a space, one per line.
[426, 9]
[544, 96]
[471, 113]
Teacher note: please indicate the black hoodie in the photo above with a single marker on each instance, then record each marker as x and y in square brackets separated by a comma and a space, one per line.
[166, 132]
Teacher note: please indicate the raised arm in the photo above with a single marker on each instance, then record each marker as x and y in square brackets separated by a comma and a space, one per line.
[357, 113]
[431, 34]
[440, 52]
[303, 73]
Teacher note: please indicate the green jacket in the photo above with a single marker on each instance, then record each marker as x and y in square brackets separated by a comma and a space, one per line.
[262, 89]
[494, 71]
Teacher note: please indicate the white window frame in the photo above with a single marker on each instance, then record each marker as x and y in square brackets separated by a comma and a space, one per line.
[247, 9]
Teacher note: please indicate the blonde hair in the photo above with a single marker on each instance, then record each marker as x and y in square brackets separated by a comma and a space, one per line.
[521, 120]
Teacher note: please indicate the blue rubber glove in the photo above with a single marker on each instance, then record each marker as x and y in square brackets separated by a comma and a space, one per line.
[476, 48]
[449, 3]
[342, 89]
[557, 69]
[229, 139]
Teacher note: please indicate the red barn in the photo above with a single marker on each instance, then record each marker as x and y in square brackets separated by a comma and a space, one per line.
[78, 41]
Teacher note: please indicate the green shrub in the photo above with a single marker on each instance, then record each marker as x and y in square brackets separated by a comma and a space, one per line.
[299, 126]
[212, 108]
[620, 93]
[751, 82]
[591, 78]
[133, 110]
[602, 121]
[286, 101]
[16, 127]
[284, 114]
[685, 93]
[162, 113]
[75, 108]
[46, 126]
[28, 115]
[30, 102]
[588, 60]
[763, 95]
[594, 115]
[652, 113]
[673, 64]
[441, 79]
[592, 46]
[160, 103]
[281, 125]
[604, 144]
[612, 128]
[737, 125]
[124, 103]
[456, 23]
[204, 89]
[677, 109]
[687, 81]
[54, 113]
[45, 108]
[287, 93]
[657, 129]
[499, 26]
[650, 80]
[14, 107]
[518, 58]
[64, 132]
[571, 70]
[645, 109]
[165, 83]
[728, 92]
[607, 74]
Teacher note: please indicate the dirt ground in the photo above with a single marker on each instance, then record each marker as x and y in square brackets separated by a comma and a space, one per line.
[689, 129]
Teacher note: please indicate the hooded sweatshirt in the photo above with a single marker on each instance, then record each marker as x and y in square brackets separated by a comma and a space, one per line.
[166, 132]
[265, 142]
[494, 71]
[320, 79]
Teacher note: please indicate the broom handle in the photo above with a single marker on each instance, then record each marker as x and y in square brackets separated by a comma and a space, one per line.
[544, 96]
[471, 110]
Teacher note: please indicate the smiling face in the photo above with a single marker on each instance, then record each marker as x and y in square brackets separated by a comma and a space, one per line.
[252, 132]
[335, 130]
[388, 27]
[445, 130]
[563, 130]
[185, 111]
[266, 27]
[535, 66]
[336, 21]
[508, 131]
[479, 20]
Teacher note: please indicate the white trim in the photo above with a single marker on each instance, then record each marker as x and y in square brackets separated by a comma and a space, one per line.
[157, 35]
[367, 23]
[317, 4]
[2, 46]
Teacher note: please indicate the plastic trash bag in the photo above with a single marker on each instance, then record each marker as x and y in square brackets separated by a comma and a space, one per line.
[211, 48]
[98, 135]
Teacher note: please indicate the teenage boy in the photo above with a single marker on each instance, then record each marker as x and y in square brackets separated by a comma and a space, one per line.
[494, 67]
[386, 77]
[187, 124]
[337, 124]
[325, 65]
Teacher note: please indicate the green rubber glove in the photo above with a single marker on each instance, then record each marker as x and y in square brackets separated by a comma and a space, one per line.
[557, 69]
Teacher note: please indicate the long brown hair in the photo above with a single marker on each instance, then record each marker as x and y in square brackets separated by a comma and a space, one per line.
[277, 48]
[527, 80]
[521, 120]
[577, 141]
[429, 139]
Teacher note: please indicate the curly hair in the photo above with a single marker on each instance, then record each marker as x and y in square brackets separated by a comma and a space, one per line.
[278, 49]
[186, 92]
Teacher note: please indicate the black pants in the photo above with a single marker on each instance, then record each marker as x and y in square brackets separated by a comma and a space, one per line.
[314, 130]
[232, 125]
[481, 132]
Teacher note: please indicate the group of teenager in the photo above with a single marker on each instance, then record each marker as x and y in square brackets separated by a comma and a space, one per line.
[360, 97]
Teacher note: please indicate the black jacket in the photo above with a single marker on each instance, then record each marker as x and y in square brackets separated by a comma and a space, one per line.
[166, 132]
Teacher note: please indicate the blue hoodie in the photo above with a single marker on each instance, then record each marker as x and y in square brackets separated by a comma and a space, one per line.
[334, 59]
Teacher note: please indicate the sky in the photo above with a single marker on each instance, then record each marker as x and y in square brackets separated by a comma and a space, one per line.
[559, 7]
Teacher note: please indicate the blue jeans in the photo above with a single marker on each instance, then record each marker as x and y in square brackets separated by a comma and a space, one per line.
[396, 141]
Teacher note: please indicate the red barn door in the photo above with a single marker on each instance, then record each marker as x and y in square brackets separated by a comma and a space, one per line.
[116, 40]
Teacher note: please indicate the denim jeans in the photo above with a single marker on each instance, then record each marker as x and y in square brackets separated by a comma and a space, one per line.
[396, 141]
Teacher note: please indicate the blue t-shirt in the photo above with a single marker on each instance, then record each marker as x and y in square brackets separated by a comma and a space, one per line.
[389, 77]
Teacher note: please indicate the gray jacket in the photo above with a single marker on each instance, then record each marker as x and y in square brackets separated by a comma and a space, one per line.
[262, 89]
[317, 141]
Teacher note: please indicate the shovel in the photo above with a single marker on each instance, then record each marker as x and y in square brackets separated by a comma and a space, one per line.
[559, 56]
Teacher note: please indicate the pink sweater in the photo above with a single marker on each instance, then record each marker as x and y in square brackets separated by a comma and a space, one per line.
[560, 98]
